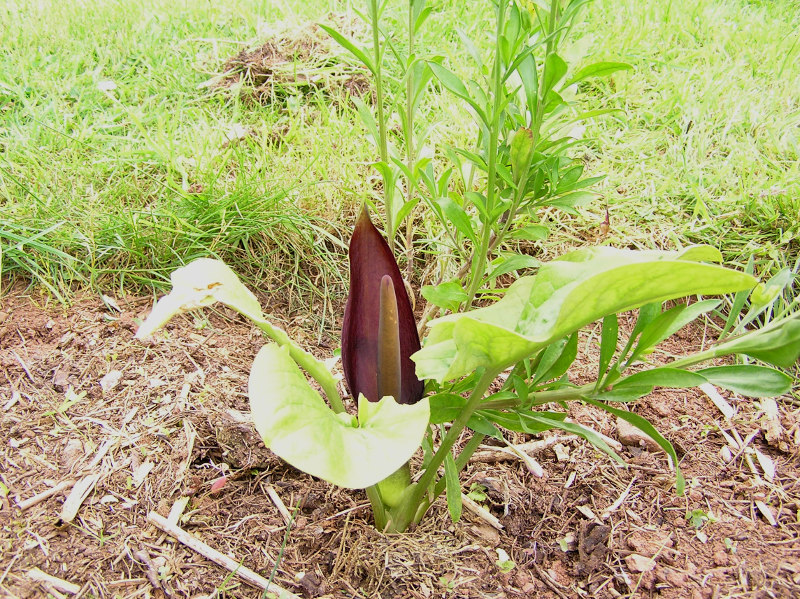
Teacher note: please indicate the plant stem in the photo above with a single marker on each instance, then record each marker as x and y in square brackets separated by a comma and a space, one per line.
[383, 144]
[409, 141]
[307, 362]
[407, 511]
[480, 254]
[378, 509]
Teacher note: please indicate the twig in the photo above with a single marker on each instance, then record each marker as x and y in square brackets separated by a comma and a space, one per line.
[80, 491]
[500, 454]
[219, 558]
[59, 584]
[40, 497]
[481, 512]
[276, 499]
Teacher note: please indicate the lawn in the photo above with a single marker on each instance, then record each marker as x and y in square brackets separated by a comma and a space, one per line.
[136, 137]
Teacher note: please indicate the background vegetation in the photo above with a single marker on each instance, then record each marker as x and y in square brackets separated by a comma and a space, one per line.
[122, 156]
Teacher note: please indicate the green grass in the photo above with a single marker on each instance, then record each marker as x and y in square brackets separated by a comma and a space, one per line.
[112, 188]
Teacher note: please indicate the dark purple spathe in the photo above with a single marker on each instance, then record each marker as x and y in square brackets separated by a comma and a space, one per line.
[371, 260]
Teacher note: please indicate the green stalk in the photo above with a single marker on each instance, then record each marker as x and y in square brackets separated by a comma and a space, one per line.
[407, 510]
[410, 139]
[461, 462]
[480, 254]
[378, 509]
[307, 362]
[383, 144]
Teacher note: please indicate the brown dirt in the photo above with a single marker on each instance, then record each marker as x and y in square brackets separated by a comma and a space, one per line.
[163, 431]
[296, 61]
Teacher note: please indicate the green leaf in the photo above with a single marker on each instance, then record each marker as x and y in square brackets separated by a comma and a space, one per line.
[453, 84]
[564, 361]
[672, 378]
[608, 343]
[445, 407]
[445, 295]
[565, 295]
[350, 47]
[648, 429]
[531, 233]
[777, 343]
[598, 69]
[749, 380]
[511, 263]
[453, 486]
[554, 70]
[457, 217]
[523, 422]
[573, 200]
[480, 424]
[297, 425]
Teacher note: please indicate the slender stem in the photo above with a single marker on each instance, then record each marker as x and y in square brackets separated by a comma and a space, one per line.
[383, 144]
[411, 504]
[378, 509]
[410, 139]
[318, 371]
[480, 254]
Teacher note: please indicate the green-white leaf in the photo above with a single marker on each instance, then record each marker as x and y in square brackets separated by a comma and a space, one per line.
[197, 285]
[562, 297]
[749, 380]
[297, 425]
[608, 343]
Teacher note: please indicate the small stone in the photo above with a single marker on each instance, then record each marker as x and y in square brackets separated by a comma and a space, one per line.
[630, 435]
[639, 563]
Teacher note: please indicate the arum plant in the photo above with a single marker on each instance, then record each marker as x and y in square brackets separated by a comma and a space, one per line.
[531, 334]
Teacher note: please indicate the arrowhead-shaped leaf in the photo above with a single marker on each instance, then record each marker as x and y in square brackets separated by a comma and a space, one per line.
[296, 424]
[562, 297]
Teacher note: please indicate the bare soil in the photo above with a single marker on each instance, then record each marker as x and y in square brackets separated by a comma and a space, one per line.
[146, 424]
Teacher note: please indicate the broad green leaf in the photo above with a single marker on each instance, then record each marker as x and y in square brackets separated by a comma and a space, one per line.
[598, 69]
[521, 152]
[573, 200]
[554, 70]
[749, 380]
[480, 424]
[445, 407]
[297, 425]
[197, 285]
[453, 487]
[565, 295]
[648, 429]
[445, 295]
[457, 217]
[777, 343]
[564, 361]
[511, 263]
[452, 83]
[673, 378]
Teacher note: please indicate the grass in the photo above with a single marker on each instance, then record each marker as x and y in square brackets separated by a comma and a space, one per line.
[116, 163]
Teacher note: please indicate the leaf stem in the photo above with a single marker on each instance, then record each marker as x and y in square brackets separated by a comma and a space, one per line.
[410, 506]
[383, 146]
[318, 371]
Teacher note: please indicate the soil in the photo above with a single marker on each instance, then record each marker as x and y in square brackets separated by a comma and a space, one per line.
[144, 424]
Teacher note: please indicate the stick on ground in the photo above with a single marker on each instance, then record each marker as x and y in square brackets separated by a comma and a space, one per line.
[219, 558]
